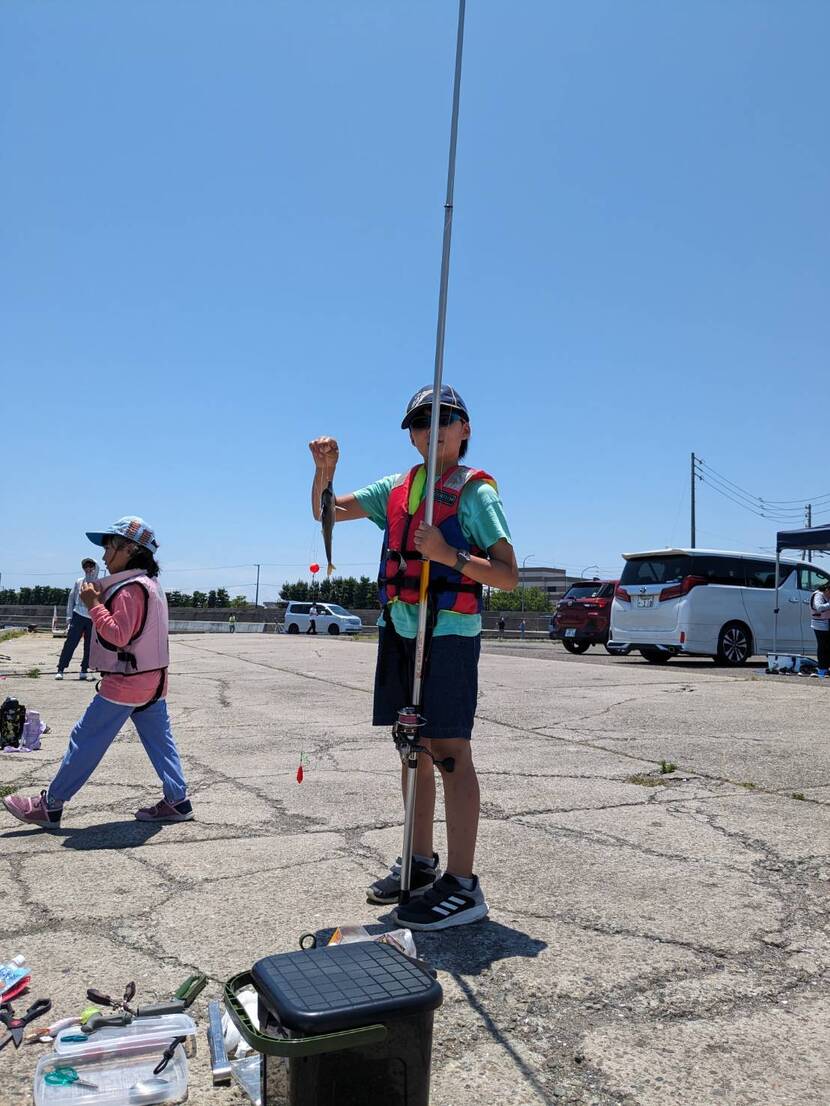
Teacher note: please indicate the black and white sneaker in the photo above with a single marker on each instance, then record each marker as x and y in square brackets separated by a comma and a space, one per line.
[445, 904]
[388, 889]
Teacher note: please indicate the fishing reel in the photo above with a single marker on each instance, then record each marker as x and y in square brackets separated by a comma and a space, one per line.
[405, 736]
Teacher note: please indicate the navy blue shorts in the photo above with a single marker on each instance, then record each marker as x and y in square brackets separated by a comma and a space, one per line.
[450, 688]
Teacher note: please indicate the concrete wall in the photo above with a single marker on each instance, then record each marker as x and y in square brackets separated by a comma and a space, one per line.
[41, 616]
[264, 617]
[203, 626]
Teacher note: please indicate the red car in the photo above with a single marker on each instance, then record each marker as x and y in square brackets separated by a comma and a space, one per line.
[583, 616]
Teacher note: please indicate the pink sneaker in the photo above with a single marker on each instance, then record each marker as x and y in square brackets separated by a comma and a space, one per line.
[34, 811]
[166, 812]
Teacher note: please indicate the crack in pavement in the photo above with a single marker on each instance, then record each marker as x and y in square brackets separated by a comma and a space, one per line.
[500, 1020]
[280, 668]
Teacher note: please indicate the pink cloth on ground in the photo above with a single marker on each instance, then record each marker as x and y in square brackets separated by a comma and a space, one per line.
[117, 627]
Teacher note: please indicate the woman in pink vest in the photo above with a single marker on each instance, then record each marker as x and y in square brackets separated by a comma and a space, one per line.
[129, 648]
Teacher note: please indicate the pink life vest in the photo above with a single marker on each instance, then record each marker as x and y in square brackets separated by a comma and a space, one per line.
[147, 650]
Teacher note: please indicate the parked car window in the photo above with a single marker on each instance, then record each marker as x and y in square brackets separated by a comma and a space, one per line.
[656, 570]
[582, 591]
[300, 608]
[607, 591]
[761, 574]
[335, 608]
[718, 570]
[811, 579]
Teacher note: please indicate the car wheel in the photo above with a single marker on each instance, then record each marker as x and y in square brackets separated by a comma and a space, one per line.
[334, 629]
[655, 656]
[576, 646]
[293, 628]
[734, 645]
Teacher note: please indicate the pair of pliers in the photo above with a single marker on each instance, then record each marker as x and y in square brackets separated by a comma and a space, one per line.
[15, 1025]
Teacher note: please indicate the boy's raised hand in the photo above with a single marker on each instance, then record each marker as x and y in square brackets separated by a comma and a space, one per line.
[326, 454]
[431, 544]
[90, 594]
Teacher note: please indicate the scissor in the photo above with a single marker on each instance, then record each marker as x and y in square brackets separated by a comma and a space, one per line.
[15, 1025]
[66, 1077]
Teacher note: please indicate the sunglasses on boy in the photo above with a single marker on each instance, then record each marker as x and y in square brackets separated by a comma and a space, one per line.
[446, 417]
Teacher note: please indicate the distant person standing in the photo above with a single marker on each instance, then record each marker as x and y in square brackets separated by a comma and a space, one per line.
[312, 616]
[820, 622]
[522, 628]
[78, 622]
[501, 627]
[232, 624]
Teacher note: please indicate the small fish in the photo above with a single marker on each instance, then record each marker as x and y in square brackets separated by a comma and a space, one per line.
[327, 516]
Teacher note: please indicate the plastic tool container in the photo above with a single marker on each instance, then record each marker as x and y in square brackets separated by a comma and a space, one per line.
[141, 1035]
[345, 1025]
[119, 1080]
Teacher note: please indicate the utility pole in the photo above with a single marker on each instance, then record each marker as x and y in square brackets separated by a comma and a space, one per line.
[808, 518]
[694, 520]
[256, 599]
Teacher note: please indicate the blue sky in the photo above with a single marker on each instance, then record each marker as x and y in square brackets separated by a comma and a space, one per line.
[221, 237]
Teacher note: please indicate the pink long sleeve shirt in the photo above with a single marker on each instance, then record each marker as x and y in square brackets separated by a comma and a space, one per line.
[117, 627]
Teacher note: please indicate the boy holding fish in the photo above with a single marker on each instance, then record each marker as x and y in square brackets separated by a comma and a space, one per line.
[468, 547]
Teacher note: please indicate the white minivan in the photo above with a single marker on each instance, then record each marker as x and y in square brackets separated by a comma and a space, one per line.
[331, 618]
[708, 602]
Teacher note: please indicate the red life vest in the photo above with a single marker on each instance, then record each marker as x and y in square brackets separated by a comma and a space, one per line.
[400, 564]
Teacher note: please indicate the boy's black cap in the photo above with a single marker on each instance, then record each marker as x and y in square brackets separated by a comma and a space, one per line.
[423, 398]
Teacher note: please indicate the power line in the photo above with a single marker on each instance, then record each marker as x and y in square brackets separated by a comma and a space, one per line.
[753, 503]
[757, 509]
[773, 503]
[770, 516]
[774, 510]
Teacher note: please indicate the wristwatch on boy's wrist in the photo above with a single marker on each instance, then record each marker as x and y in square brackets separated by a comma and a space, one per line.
[462, 559]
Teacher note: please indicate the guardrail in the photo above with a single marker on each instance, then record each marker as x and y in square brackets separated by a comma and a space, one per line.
[204, 626]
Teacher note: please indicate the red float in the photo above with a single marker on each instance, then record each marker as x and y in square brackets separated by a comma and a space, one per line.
[314, 569]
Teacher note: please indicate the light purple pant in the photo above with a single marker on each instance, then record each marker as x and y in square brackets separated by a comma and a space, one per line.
[96, 731]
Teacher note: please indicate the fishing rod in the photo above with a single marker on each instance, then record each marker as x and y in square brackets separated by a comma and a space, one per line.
[409, 719]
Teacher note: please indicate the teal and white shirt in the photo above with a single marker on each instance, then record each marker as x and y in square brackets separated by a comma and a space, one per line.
[481, 518]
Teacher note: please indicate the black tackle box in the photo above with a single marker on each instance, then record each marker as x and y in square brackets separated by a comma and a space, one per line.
[342, 1025]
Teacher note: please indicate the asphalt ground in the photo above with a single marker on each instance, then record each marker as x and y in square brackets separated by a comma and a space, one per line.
[541, 649]
[654, 846]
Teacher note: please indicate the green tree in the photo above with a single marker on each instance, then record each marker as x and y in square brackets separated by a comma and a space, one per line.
[211, 599]
[239, 601]
[40, 596]
[534, 600]
[366, 595]
[222, 598]
[179, 599]
[346, 591]
[199, 599]
[298, 590]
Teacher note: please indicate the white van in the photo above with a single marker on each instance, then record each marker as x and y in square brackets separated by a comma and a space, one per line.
[331, 618]
[708, 602]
